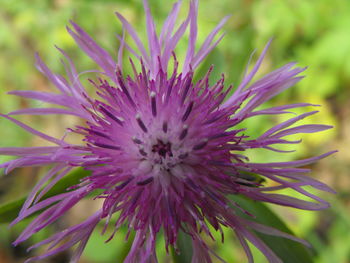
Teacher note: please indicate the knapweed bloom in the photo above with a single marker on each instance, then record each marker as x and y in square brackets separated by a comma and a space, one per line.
[164, 151]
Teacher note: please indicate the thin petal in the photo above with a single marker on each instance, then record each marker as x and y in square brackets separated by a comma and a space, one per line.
[33, 131]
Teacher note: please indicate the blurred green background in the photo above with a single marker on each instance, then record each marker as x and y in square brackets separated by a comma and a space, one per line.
[315, 33]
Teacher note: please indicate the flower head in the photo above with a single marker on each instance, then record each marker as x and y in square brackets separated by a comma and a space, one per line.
[164, 151]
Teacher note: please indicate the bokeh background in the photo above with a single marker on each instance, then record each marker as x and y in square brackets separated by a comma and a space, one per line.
[315, 33]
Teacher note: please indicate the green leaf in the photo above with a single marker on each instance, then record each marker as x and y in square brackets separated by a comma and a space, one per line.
[116, 249]
[287, 250]
[9, 211]
[184, 244]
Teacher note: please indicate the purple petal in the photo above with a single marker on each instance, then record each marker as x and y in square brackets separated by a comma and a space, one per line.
[35, 132]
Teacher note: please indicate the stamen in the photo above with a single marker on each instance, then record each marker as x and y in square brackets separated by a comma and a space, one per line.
[171, 82]
[219, 163]
[154, 104]
[144, 182]
[135, 140]
[165, 127]
[183, 156]
[187, 112]
[98, 133]
[134, 200]
[170, 88]
[109, 114]
[142, 151]
[91, 131]
[123, 86]
[216, 198]
[186, 86]
[133, 68]
[107, 146]
[144, 74]
[200, 145]
[140, 123]
[184, 132]
[224, 134]
[122, 185]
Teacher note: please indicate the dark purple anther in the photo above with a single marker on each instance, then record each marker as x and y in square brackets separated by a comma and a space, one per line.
[154, 104]
[135, 140]
[123, 86]
[109, 114]
[142, 152]
[107, 146]
[186, 86]
[183, 156]
[188, 111]
[184, 132]
[140, 123]
[200, 146]
[146, 181]
[165, 127]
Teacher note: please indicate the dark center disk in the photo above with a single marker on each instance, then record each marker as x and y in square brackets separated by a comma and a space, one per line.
[162, 148]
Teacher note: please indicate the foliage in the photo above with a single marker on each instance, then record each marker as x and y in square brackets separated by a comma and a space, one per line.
[314, 33]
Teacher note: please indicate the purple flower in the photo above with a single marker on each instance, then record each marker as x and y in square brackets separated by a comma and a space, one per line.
[164, 151]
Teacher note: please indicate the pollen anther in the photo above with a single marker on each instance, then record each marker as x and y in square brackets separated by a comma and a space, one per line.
[184, 132]
[140, 123]
[154, 103]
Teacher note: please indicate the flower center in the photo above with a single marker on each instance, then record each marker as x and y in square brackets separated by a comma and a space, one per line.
[163, 149]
